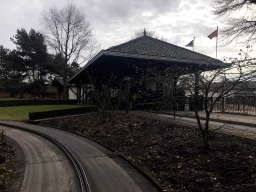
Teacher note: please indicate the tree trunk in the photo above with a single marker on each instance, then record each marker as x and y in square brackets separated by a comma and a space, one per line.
[65, 79]
[206, 142]
[207, 145]
[204, 130]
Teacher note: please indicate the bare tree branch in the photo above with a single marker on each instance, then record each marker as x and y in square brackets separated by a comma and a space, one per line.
[68, 33]
[227, 6]
[239, 29]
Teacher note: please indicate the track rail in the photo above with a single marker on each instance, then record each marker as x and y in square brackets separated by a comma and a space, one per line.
[84, 185]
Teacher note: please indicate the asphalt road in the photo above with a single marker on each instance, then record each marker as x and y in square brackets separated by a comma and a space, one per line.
[105, 173]
[46, 168]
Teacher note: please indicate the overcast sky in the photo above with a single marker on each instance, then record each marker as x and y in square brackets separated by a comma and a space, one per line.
[115, 21]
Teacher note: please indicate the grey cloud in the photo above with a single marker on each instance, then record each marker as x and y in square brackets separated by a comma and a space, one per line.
[124, 9]
[115, 21]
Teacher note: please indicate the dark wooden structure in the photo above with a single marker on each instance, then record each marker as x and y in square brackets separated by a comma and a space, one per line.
[58, 84]
[131, 58]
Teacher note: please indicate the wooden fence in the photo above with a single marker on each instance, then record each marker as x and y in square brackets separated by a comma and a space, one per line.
[242, 105]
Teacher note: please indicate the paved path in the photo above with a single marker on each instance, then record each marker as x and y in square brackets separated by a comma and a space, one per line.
[104, 172]
[235, 124]
[224, 116]
[46, 168]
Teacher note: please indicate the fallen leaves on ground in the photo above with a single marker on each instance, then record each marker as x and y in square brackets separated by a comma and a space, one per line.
[170, 152]
[7, 164]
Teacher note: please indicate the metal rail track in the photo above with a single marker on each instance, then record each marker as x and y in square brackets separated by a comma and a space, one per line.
[84, 185]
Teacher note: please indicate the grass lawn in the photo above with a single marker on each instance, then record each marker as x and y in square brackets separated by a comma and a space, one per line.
[21, 113]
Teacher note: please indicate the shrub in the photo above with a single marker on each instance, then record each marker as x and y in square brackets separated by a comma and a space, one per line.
[57, 113]
[17, 102]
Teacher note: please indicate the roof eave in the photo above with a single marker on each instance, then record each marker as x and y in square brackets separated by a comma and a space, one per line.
[163, 58]
[88, 64]
[149, 57]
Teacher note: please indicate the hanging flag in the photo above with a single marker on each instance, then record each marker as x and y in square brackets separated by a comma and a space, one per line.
[191, 44]
[213, 34]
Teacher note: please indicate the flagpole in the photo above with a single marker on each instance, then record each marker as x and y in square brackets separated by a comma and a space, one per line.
[194, 44]
[217, 40]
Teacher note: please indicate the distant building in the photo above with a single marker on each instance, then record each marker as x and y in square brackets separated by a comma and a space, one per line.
[71, 88]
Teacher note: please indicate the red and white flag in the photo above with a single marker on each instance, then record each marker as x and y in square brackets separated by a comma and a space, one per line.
[213, 34]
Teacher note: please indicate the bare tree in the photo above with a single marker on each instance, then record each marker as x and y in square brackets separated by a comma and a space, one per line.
[202, 88]
[214, 86]
[68, 33]
[106, 95]
[241, 25]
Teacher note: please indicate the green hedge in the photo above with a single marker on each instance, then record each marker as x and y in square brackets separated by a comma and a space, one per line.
[8, 103]
[58, 113]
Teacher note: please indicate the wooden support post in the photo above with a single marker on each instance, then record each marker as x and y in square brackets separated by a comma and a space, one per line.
[79, 93]
[127, 81]
[83, 95]
[174, 93]
[196, 96]
[223, 105]
[86, 93]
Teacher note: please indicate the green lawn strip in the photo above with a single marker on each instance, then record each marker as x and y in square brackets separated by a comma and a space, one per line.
[21, 113]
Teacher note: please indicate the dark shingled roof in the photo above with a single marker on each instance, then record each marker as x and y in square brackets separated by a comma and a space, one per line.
[147, 49]
[146, 45]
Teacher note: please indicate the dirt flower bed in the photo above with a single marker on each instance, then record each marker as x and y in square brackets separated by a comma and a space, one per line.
[170, 152]
[8, 161]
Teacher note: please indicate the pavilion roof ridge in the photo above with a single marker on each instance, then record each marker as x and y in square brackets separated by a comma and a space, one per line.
[147, 45]
[127, 42]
